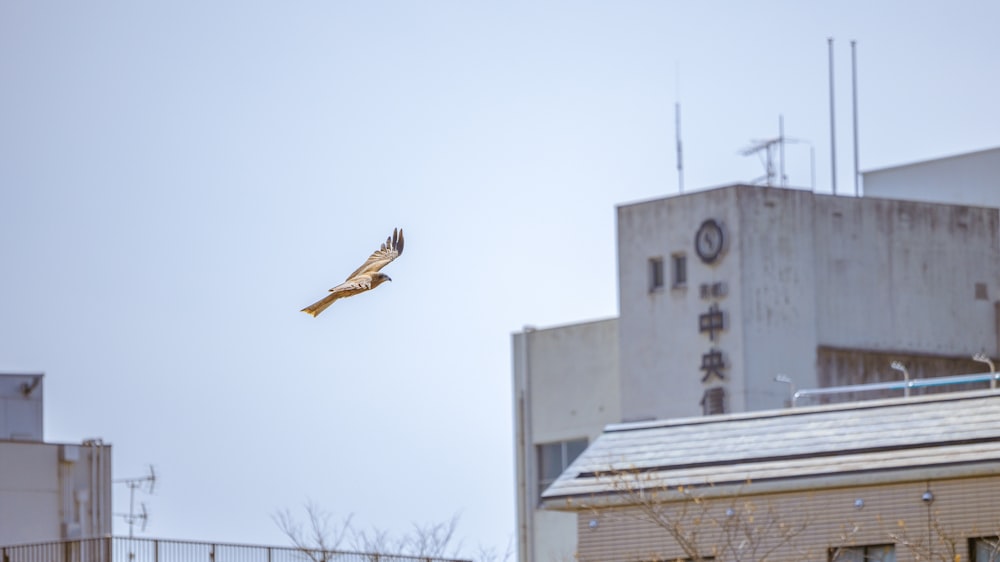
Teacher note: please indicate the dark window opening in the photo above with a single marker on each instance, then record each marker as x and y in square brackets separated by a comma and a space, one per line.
[655, 274]
[871, 553]
[554, 458]
[678, 264]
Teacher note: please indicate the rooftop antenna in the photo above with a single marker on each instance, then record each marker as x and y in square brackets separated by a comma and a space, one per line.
[781, 146]
[677, 129]
[854, 94]
[149, 482]
[767, 147]
[833, 125]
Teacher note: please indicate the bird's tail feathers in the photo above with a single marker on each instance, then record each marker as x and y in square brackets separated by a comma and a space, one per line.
[319, 306]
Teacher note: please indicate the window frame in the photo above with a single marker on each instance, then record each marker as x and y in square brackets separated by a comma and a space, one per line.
[992, 541]
[655, 274]
[678, 270]
[565, 460]
[834, 554]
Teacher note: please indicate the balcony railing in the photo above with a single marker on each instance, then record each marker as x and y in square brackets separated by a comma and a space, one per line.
[122, 549]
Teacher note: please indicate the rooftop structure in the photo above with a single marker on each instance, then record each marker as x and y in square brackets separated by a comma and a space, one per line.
[895, 479]
[822, 446]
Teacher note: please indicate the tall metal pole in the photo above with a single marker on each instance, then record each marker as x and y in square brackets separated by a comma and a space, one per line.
[833, 124]
[781, 150]
[854, 87]
[680, 151]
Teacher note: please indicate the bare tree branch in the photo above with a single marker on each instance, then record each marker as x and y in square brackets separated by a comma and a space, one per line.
[319, 541]
[700, 527]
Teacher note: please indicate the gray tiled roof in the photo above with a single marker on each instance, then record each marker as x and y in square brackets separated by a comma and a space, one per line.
[961, 429]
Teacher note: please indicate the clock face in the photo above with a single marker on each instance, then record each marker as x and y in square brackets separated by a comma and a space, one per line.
[708, 241]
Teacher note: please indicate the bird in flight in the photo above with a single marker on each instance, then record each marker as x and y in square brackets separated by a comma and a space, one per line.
[366, 277]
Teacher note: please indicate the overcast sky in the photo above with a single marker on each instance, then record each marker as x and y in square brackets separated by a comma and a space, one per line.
[178, 179]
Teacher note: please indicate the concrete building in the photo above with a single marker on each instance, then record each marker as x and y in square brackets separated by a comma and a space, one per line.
[48, 491]
[895, 479]
[827, 290]
[722, 290]
[565, 392]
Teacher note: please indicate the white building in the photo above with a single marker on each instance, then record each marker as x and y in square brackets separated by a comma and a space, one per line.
[722, 290]
[565, 391]
[827, 290]
[967, 179]
[48, 491]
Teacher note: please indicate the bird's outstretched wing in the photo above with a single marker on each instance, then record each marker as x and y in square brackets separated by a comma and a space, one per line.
[390, 250]
[364, 278]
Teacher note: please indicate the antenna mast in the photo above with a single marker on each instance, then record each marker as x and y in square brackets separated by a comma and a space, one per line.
[677, 127]
[833, 125]
[680, 150]
[854, 88]
[133, 484]
[767, 147]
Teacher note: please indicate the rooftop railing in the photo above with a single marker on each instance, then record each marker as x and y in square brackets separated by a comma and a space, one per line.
[123, 549]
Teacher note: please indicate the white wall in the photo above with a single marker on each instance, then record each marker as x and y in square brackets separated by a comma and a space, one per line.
[50, 492]
[565, 388]
[967, 179]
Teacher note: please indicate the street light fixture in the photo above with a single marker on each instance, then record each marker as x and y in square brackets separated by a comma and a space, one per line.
[906, 376]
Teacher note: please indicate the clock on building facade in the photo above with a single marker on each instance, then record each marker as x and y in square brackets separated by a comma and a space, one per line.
[708, 241]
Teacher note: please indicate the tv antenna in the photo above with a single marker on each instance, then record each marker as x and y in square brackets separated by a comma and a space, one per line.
[767, 148]
[147, 484]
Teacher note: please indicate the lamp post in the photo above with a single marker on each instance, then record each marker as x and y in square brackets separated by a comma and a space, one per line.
[906, 376]
[982, 358]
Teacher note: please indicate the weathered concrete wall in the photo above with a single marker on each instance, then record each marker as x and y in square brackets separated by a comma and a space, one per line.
[778, 279]
[906, 276]
[660, 344]
[799, 271]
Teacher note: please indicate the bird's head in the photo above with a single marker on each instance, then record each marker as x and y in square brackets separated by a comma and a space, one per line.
[379, 278]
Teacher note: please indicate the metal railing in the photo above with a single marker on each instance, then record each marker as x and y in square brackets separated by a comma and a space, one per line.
[122, 549]
[904, 385]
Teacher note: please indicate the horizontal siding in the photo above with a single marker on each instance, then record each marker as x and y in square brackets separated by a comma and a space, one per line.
[962, 508]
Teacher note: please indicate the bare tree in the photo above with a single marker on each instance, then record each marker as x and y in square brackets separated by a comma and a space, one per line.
[492, 554]
[942, 542]
[434, 540]
[724, 529]
[318, 540]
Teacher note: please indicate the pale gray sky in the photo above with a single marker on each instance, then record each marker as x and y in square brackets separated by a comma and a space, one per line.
[178, 179]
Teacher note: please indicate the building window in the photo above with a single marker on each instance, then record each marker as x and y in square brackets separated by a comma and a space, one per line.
[984, 549]
[679, 273]
[702, 558]
[871, 553]
[655, 274]
[553, 458]
[981, 294]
